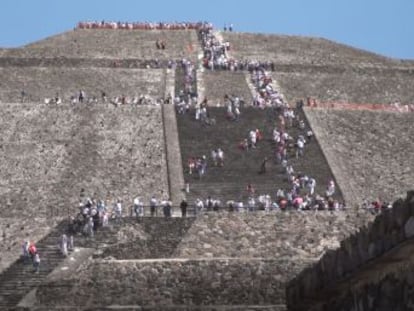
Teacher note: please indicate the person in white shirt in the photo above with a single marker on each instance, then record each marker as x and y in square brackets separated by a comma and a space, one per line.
[63, 245]
[300, 146]
[252, 138]
[199, 205]
[214, 155]
[311, 185]
[138, 207]
[330, 190]
[153, 206]
[220, 157]
[118, 210]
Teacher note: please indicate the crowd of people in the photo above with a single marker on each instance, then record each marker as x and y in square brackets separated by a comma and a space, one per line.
[31, 255]
[217, 54]
[142, 25]
[95, 213]
[300, 194]
[119, 100]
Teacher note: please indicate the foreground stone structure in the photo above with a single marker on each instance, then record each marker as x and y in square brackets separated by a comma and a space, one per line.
[372, 270]
[217, 259]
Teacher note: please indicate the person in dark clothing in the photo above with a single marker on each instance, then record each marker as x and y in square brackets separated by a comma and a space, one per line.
[183, 207]
[167, 208]
[263, 166]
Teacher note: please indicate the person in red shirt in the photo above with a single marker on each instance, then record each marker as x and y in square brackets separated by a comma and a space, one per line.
[259, 135]
[191, 165]
[32, 250]
[250, 189]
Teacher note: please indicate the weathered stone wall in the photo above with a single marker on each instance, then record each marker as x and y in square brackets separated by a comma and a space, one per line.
[222, 259]
[392, 292]
[45, 82]
[104, 43]
[287, 49]
[50, 154]
[146, 238]
[389, 229]
[295, 236]
[326, 70]
[370, 153]
[219, 83]
[171, 282]
[81, 62]
[353, 85]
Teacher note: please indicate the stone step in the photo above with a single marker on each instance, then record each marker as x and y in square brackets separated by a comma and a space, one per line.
[211, 307]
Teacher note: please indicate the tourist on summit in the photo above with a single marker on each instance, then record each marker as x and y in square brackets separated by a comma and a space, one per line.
[183, 207]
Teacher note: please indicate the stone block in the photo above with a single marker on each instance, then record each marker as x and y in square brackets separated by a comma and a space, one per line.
[409, 227]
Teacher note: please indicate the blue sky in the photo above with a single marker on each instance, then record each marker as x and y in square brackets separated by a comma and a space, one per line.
[381, 26]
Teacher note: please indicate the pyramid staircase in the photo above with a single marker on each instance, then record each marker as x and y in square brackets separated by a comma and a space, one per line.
[242, 167]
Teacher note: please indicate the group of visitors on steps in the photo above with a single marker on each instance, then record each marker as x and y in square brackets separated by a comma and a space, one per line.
[31, 254]
[301, 192]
